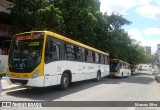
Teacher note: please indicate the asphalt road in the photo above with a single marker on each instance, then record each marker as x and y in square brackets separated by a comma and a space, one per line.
[140, 87]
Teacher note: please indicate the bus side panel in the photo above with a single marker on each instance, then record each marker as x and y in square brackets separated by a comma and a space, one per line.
[92, 73]
[36, 82]
[54, 70]
[80, 71]
[51, 72]
[106, 70]
[127, 72]
[119, 73]
[124, 71]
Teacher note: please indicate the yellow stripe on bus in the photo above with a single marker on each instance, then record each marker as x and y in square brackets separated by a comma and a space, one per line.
[68, 40]
[76, 43]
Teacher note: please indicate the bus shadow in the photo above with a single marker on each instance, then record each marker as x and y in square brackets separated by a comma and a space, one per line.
[54, 93]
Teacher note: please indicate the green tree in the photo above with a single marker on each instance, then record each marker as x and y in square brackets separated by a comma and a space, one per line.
[36, 15]
[140, 55]
[118, 40]
[81, 17]
[80, 20]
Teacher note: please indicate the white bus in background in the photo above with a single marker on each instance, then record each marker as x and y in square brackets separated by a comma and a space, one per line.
[43, 58]
[154, 69]
[145, 67]
[119, 68]
[134, 69]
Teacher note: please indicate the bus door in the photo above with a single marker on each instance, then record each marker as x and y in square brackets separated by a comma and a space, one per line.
[52, 67]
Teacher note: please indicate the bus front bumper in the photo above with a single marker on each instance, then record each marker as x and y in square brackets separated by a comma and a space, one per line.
[35, 82]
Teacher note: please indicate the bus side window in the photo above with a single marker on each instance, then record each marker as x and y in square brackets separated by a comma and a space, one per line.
[52, 51]
[93, 56]
[89, 56]
[97, 60]
[121, 65]
[125, 66]
[106, 59]
[70, 51]
[86, 54]
[79, 53]
[102, 59]
[83, 55]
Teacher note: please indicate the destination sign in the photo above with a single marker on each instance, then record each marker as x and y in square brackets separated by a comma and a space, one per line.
[33, 44]
[113, 60]
[28, 37]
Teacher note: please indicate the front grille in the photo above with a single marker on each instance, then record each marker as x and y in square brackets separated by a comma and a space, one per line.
[24, 82]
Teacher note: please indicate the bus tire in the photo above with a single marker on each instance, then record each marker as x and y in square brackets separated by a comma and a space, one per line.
[98, 78]
[64, 81]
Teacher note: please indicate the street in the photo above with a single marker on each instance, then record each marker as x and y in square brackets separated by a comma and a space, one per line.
[140, 87]
[65, 43]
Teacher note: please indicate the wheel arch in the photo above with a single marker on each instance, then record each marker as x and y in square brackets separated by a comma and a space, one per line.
[69, 73]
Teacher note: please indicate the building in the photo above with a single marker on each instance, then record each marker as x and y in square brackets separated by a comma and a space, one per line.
[7, 30]
[158, 51]
[147, 49]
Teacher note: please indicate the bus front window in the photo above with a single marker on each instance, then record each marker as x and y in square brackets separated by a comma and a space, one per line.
[114, 66]
[25, 53]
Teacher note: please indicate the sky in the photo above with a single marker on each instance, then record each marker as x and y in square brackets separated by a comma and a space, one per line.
[145, 18]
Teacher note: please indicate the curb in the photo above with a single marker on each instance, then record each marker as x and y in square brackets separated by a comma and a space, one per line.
[12, 88]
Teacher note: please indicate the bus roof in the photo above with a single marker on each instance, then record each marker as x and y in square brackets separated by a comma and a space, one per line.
[68, 40]
[120, 61]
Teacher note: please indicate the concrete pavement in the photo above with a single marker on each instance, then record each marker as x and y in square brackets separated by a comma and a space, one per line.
[140, 87]
[6, 86]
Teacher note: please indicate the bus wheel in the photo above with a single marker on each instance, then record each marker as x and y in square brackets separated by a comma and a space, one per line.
[64, 81]
[98, 78]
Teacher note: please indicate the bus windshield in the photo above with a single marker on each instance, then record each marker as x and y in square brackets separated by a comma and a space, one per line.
[114, 66]
[26, 51]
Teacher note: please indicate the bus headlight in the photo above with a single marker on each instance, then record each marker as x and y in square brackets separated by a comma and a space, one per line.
[36, 74]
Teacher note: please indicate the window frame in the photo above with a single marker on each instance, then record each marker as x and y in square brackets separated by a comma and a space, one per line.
[53, 41]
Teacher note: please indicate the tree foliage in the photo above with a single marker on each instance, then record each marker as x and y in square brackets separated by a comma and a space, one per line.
[80, 20]
[36, 15]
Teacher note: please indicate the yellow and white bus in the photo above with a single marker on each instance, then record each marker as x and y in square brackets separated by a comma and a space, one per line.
[119, 68]
[43, 58]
